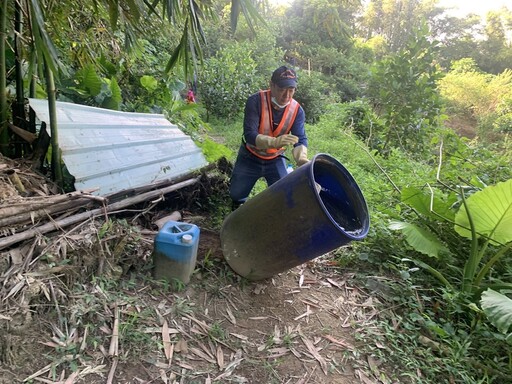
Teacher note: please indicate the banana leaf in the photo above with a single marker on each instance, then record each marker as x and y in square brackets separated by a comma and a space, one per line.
[491, 212]
[498, 309]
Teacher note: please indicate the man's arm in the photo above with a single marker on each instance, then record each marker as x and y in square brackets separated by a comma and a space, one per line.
[300, 150]
[298, 128]
[252, 119]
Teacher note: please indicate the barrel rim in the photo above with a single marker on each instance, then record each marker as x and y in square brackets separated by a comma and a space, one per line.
[347, 175]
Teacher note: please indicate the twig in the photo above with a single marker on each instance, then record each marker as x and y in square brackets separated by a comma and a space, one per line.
[376, 163]
[112, 371]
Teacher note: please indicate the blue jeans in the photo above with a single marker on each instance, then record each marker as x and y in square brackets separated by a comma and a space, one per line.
[248, 169]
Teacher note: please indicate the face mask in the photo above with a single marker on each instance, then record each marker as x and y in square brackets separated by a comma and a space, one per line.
[278, 105]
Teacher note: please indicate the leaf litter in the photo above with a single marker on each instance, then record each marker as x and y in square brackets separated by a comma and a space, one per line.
[81, 307]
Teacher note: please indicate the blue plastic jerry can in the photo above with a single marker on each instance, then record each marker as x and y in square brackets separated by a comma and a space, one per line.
[175, 251]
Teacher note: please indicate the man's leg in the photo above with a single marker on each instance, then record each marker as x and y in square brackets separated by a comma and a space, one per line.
[275, 170]
[245, 174]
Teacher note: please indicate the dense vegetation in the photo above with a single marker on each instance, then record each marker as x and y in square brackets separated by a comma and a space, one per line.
[386, 87]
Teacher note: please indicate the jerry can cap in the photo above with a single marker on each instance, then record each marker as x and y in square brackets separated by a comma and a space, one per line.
[186, 239]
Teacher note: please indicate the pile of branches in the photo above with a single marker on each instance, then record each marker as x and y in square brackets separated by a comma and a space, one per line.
[50, 241]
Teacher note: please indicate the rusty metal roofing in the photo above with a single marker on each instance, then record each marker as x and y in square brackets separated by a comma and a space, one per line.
[115, 151]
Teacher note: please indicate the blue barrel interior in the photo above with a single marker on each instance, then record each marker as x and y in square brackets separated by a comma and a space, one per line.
[337, 197]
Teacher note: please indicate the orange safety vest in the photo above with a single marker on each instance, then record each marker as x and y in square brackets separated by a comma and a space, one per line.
[267, 123]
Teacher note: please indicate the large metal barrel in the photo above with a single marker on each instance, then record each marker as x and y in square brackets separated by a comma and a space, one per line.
[313, 210]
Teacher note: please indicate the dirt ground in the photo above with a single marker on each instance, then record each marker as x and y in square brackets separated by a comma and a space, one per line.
[80, 306]
[465, 126]
[297, 327]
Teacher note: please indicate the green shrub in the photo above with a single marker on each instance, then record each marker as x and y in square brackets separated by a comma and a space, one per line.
[488, 98]
[312, 95]
[403, 90]
[226, 80]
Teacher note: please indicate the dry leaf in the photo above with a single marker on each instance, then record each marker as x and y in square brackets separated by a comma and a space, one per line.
[296, 353]
[209, 352]
[277, 352]
[220, 358]
[71, 378]
[339, 342]
[181, 346]
[238, 336]
[311, 348]
[363, 378]
[202, 355]
[163, 376]
[168, 347]
[230, 316]
[184, 365]
[170, 331]
[335, 283]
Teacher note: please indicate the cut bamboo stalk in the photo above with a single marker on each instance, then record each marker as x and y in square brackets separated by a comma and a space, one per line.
[15, 180]
[57, 224]
[34, 203]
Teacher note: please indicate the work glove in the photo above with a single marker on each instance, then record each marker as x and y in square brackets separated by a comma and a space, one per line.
[265, 142]
[300, 154]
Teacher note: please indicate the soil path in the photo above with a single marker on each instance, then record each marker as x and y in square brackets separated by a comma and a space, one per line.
[297, 327]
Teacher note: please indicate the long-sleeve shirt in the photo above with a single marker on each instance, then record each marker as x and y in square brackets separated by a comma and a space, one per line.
[252, 121]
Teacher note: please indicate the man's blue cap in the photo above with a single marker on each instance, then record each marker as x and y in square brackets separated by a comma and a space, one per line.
[284, 77]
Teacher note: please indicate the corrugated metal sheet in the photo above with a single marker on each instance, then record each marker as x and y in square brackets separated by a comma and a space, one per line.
[115, 151]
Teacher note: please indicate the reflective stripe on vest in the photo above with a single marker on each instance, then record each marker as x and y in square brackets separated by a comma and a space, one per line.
[266, 125]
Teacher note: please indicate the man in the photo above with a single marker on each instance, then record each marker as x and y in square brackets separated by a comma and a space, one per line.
[272, 121]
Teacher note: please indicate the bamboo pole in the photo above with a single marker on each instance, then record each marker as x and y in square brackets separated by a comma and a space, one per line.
[15, 180]
[35, 203]
[52, 109]
[48, 227]
[43, 212]
[4, 134]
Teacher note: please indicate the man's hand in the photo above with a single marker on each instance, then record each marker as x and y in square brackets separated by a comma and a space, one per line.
[300, 154]
[265, 142]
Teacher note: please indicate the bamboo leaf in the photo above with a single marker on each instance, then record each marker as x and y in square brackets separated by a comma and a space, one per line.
[113, 13]
[491, 210]
[420, 239]
[42, 41]
[312, 349]
[166, 339]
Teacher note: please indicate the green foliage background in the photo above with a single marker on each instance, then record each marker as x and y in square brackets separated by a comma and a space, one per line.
[383, 83]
